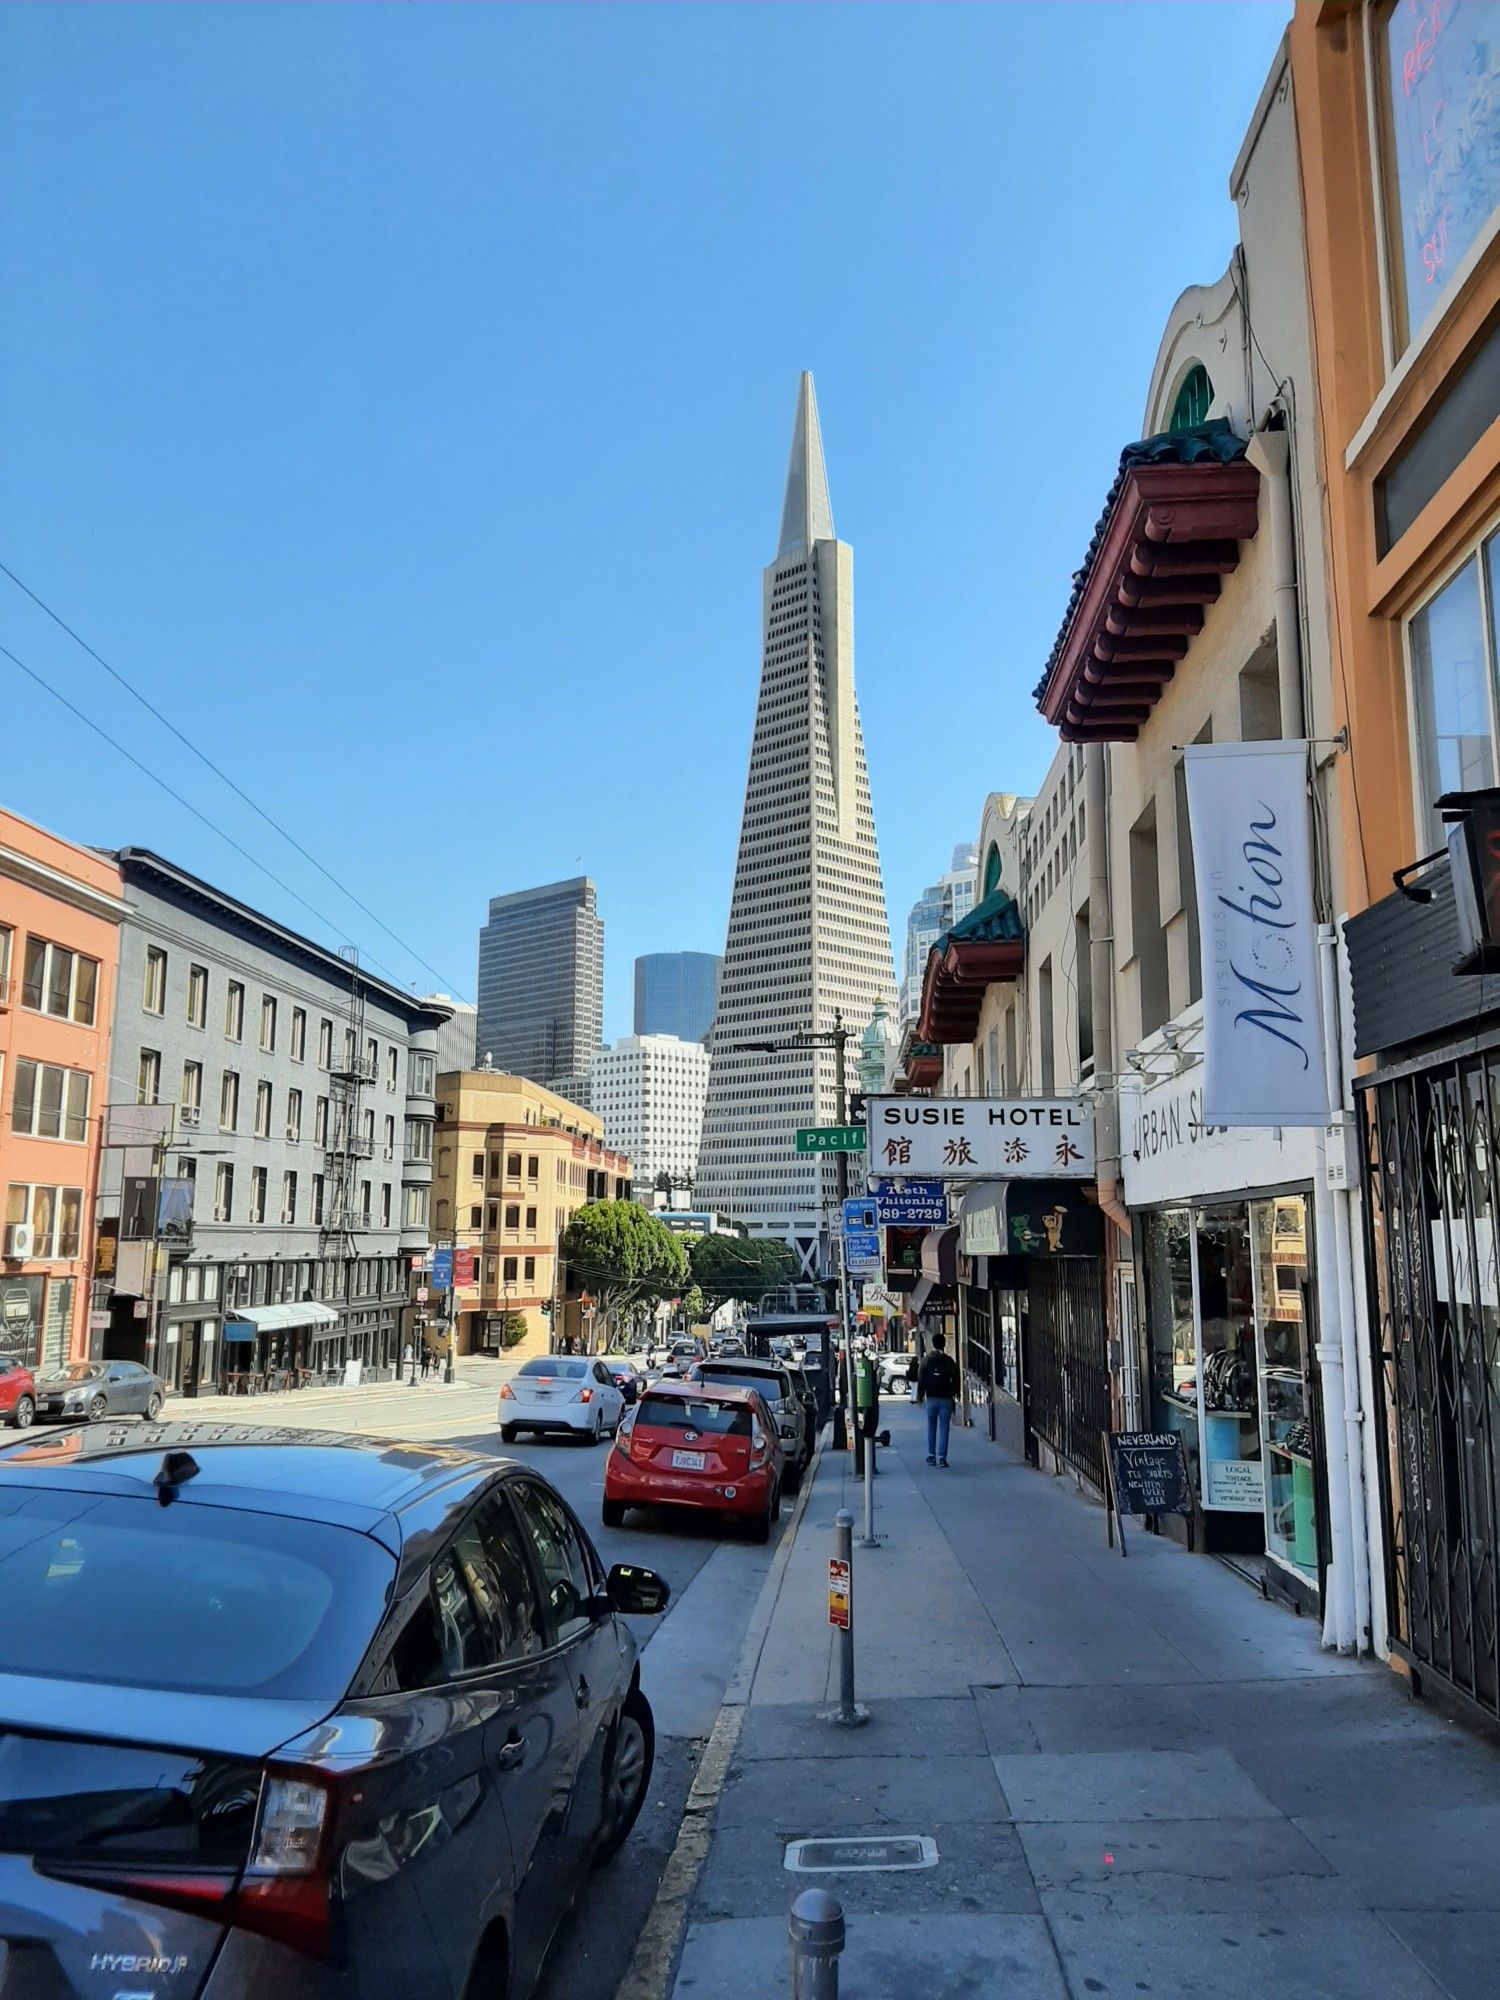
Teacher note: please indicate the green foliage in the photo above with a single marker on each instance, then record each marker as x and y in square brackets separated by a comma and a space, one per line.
[513, 1329]
[624, 1257]
[740, 1267]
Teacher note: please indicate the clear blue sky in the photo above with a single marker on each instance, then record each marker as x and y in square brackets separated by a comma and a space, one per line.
[402, 397]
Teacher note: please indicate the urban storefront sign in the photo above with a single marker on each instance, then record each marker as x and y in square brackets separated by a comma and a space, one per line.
[982, 1138]
[1262, 1034]
[912, 1203]
[1172, 1150]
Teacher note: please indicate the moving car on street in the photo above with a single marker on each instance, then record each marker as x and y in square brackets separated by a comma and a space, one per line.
[784, 1396]
[626, 1374]
[330, 1719]
[571, 1395]
[99, 1389]
[893, 1369]
[17, 1393]
[712, 1447]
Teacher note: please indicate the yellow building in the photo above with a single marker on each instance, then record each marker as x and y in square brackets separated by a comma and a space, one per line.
[513, 1162]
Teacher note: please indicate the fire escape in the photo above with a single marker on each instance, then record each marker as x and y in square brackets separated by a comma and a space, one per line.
[348, 1144]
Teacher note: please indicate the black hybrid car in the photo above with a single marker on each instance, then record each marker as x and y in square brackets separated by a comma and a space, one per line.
[299, 1714]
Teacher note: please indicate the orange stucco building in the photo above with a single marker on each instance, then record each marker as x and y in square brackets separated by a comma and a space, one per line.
[61, 908]
[1398, 116]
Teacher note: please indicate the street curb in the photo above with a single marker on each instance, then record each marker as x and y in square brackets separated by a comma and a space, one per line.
[654, 1959]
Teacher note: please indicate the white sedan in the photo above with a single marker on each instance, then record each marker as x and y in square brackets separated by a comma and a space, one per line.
[564, 1393]
[893, 1369]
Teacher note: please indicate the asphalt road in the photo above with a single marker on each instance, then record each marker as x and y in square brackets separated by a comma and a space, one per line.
[688, 1655]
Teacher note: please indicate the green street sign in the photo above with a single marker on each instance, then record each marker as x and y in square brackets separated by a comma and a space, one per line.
[831, 1139]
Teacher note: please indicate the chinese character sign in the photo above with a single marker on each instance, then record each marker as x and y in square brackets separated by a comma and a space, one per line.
[982, 1138]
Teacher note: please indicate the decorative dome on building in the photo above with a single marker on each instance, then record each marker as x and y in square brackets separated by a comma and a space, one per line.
[877, 1048]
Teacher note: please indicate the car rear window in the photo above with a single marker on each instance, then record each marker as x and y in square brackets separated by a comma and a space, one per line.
[560, 1370]
[673, 1413]
[202, 1599]
[770, 1382]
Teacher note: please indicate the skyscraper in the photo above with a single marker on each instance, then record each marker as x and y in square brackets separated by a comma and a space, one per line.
[541, 983]
[649, 1089]
[675, 993]
[807, 923]
[936, 910]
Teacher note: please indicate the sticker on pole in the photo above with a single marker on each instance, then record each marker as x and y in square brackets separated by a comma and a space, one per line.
[838, 1593]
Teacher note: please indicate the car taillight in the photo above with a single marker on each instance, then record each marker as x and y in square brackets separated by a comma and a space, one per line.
[585, 1395]
[623, 1434]
[760, 1446]
[283, 1891]
[507, 1394]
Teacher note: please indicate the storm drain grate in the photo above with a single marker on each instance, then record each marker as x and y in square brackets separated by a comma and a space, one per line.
[861, 1856]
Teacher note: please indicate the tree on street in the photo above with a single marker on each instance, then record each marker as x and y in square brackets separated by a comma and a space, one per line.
[740, 1267]
[624, 1258]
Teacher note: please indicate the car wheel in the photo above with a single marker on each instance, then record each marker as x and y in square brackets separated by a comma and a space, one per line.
[98, 1409]
[596, 1435]
[794, 1478]
[612, 1513]
[776, 1504]
[507, 1433]
[153, 1408]
[21, 1416]
[629, 1775]
[760, 1527]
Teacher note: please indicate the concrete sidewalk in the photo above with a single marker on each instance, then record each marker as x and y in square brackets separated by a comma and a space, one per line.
[1141, 1778]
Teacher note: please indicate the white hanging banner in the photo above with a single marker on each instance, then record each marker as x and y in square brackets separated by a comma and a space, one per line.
[1262, 1028]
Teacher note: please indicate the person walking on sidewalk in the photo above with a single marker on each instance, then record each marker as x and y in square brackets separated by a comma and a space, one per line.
[937, 1387]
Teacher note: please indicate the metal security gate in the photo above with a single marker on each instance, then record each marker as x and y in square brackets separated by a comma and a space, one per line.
[1432, 1150]
[1067, 1361]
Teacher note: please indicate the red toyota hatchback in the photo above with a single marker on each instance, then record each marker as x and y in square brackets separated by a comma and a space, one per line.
[17, 1393]
[696, 1444]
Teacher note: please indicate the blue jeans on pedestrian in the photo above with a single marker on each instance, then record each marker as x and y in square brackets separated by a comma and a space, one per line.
[939, 1416]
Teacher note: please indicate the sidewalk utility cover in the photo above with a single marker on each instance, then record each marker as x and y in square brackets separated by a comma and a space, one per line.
[861, 1856]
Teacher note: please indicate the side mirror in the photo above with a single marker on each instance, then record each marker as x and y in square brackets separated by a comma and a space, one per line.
[640, 1592]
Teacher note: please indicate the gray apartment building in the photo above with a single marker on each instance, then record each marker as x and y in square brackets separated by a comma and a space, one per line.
[541, 984]
[268, 1147]
[676, 993]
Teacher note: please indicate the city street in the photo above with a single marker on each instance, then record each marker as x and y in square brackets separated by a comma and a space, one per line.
[688, 1654]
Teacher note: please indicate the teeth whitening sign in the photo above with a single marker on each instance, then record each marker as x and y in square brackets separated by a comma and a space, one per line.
[1262, 1030]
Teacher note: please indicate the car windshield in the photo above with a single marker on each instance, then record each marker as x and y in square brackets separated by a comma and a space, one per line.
[191, 1598]
[558, 1368]
[676, 1413]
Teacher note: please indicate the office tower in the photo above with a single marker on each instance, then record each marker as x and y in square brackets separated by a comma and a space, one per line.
[649, 1090]
[676, 992]
[541, 983]
[936, 910]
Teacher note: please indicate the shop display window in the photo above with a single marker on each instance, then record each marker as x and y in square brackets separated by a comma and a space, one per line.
[1229, 1396]
[1174, 1339]
[1280, 1228]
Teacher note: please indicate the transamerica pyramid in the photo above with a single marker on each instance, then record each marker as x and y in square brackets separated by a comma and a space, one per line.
[807, 923]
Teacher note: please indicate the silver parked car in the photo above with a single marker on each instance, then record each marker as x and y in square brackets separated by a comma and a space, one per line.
[783, 1392]
[99, 1389]
[324, 1717]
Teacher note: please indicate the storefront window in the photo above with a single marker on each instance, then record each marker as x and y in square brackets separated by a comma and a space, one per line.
[1452, 668]
[1442, 90]
[1174, 1342]
[1280, 1229]
[1226, 1361]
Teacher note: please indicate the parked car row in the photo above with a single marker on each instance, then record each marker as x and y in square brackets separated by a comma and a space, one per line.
[84, 1390]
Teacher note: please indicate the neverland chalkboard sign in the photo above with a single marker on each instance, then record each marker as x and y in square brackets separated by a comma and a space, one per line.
[1146, 1474]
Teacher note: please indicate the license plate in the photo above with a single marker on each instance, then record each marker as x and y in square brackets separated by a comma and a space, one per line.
[688, 1461]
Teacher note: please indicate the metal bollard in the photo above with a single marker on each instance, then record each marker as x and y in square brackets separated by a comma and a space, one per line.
[848, 1713]
[816, 1927]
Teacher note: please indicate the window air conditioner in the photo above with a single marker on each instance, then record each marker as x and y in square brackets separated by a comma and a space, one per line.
[187, 1117]
[20, 1240]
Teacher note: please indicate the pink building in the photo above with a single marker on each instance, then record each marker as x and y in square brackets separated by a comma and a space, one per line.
[60, 913]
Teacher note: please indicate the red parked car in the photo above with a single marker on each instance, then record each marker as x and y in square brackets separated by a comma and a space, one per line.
[17, 1393]
[697, 1444]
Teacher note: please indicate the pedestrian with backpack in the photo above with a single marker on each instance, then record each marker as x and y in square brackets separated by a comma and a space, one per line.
[937, 1387]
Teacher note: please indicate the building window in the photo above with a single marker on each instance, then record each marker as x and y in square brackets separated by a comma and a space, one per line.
[55, 981]
[364, 1203]
[479, 1166]
[289, 1197]
[268, 1023]
[299, 1034]
[7, 935]
[510, 1270]
[55, 1215]
[320, 1122]
[1442, 178]
[476, 1218]
[148, 1077]
[257, 1194]
[372, 1058]
[416, 1203]
[512, 1215]
[1148, 939]
[224, 1193]
[392, 1066]
[154, 992]
[492, 1217]
[263, 1111]
[513, 1166]
[229, 1102]
[234, 1011]
[991, 870]
[423, 1074]
[1193, 400]
[494, 1166]
[390, 1138]
[528, 1270]
[294, 1116]
[317, 1199]
[418, 1139]
[197, 996]
[49, 1102]
[325, 1045]
[192, 1088]
[533, 1166]
[1452, 646]
[531, 1219]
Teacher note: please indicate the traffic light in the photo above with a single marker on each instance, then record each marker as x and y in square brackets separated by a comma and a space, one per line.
[546, 1308]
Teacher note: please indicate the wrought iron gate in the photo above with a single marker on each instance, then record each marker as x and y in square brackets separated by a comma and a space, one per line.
[1432, 1151]
[1067, 1361]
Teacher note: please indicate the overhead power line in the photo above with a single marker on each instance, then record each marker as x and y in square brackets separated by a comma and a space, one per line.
[223, 776]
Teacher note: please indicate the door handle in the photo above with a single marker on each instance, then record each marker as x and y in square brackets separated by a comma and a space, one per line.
[581, 1693]
[512, 1752]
